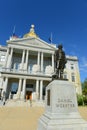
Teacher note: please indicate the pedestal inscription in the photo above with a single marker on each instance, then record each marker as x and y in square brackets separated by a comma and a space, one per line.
[65, 103]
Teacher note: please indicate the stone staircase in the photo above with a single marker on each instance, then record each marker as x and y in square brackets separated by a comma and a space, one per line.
[21, 103]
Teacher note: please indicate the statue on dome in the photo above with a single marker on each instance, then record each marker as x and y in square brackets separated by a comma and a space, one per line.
[31, 33]
[32, 28]
[60, 61]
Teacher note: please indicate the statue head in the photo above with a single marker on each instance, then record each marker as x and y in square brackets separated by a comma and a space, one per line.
[60, 46]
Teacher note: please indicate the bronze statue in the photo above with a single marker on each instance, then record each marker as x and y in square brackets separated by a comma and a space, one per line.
[60, 61]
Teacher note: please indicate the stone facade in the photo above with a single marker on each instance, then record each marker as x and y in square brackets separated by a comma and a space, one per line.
[27, 65]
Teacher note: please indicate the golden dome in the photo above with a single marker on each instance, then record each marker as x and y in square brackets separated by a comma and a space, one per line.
[31, 33]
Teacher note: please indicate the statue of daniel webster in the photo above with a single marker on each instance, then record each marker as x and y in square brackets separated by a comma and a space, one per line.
[60, 61]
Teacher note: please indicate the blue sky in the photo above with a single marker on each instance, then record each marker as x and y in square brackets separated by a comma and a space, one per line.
[66, 19]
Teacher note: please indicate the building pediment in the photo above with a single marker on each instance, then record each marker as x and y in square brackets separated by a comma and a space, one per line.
[33, 42]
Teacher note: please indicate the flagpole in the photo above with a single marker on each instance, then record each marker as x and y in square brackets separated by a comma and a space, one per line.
[51, 38]
[14, 30]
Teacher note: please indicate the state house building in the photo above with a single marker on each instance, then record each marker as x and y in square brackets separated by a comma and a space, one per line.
[27, 65]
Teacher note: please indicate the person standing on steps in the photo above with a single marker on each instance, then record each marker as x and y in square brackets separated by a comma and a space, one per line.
[31, 100]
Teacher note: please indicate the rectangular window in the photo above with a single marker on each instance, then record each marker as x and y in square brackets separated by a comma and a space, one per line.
[65, 76]
[17, 66]
[72, 66]
[65, 67]
[2, 58]
[14, 88]
[73, 78]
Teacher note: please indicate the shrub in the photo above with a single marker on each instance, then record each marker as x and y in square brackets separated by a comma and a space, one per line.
[80, 100]
[85, 100]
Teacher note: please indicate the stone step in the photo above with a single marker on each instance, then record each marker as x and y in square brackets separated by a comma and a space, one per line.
[14, 103]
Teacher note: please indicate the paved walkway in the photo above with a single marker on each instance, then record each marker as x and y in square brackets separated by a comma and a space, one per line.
[24, 118]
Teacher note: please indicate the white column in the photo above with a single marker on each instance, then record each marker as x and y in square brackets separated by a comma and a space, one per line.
[6, 58]
[1, 84]
[37, 88]
[19, 88]
[42, 62]
[24, 89]
[23, 56]
[10, 59]
[5, 84]
[38, 58]
[4, 92]
[53, 61]
[41, 89]
[26, 61]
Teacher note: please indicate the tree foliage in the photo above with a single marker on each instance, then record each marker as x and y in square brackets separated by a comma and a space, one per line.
[80, 100]
[84, 87]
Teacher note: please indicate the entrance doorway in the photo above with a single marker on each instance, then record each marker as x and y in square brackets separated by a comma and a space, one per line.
[28, 95]
[29, 90]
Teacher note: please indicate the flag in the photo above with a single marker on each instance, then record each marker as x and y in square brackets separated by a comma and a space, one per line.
[50, 38]
[14, 35]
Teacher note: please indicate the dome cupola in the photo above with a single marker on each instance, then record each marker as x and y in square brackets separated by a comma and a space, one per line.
[31, 33]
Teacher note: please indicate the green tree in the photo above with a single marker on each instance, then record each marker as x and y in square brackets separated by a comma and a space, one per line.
[80, 100]
[84, 87]
[84, 91]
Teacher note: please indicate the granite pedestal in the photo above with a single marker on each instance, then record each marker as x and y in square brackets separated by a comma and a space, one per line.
[61, 110]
